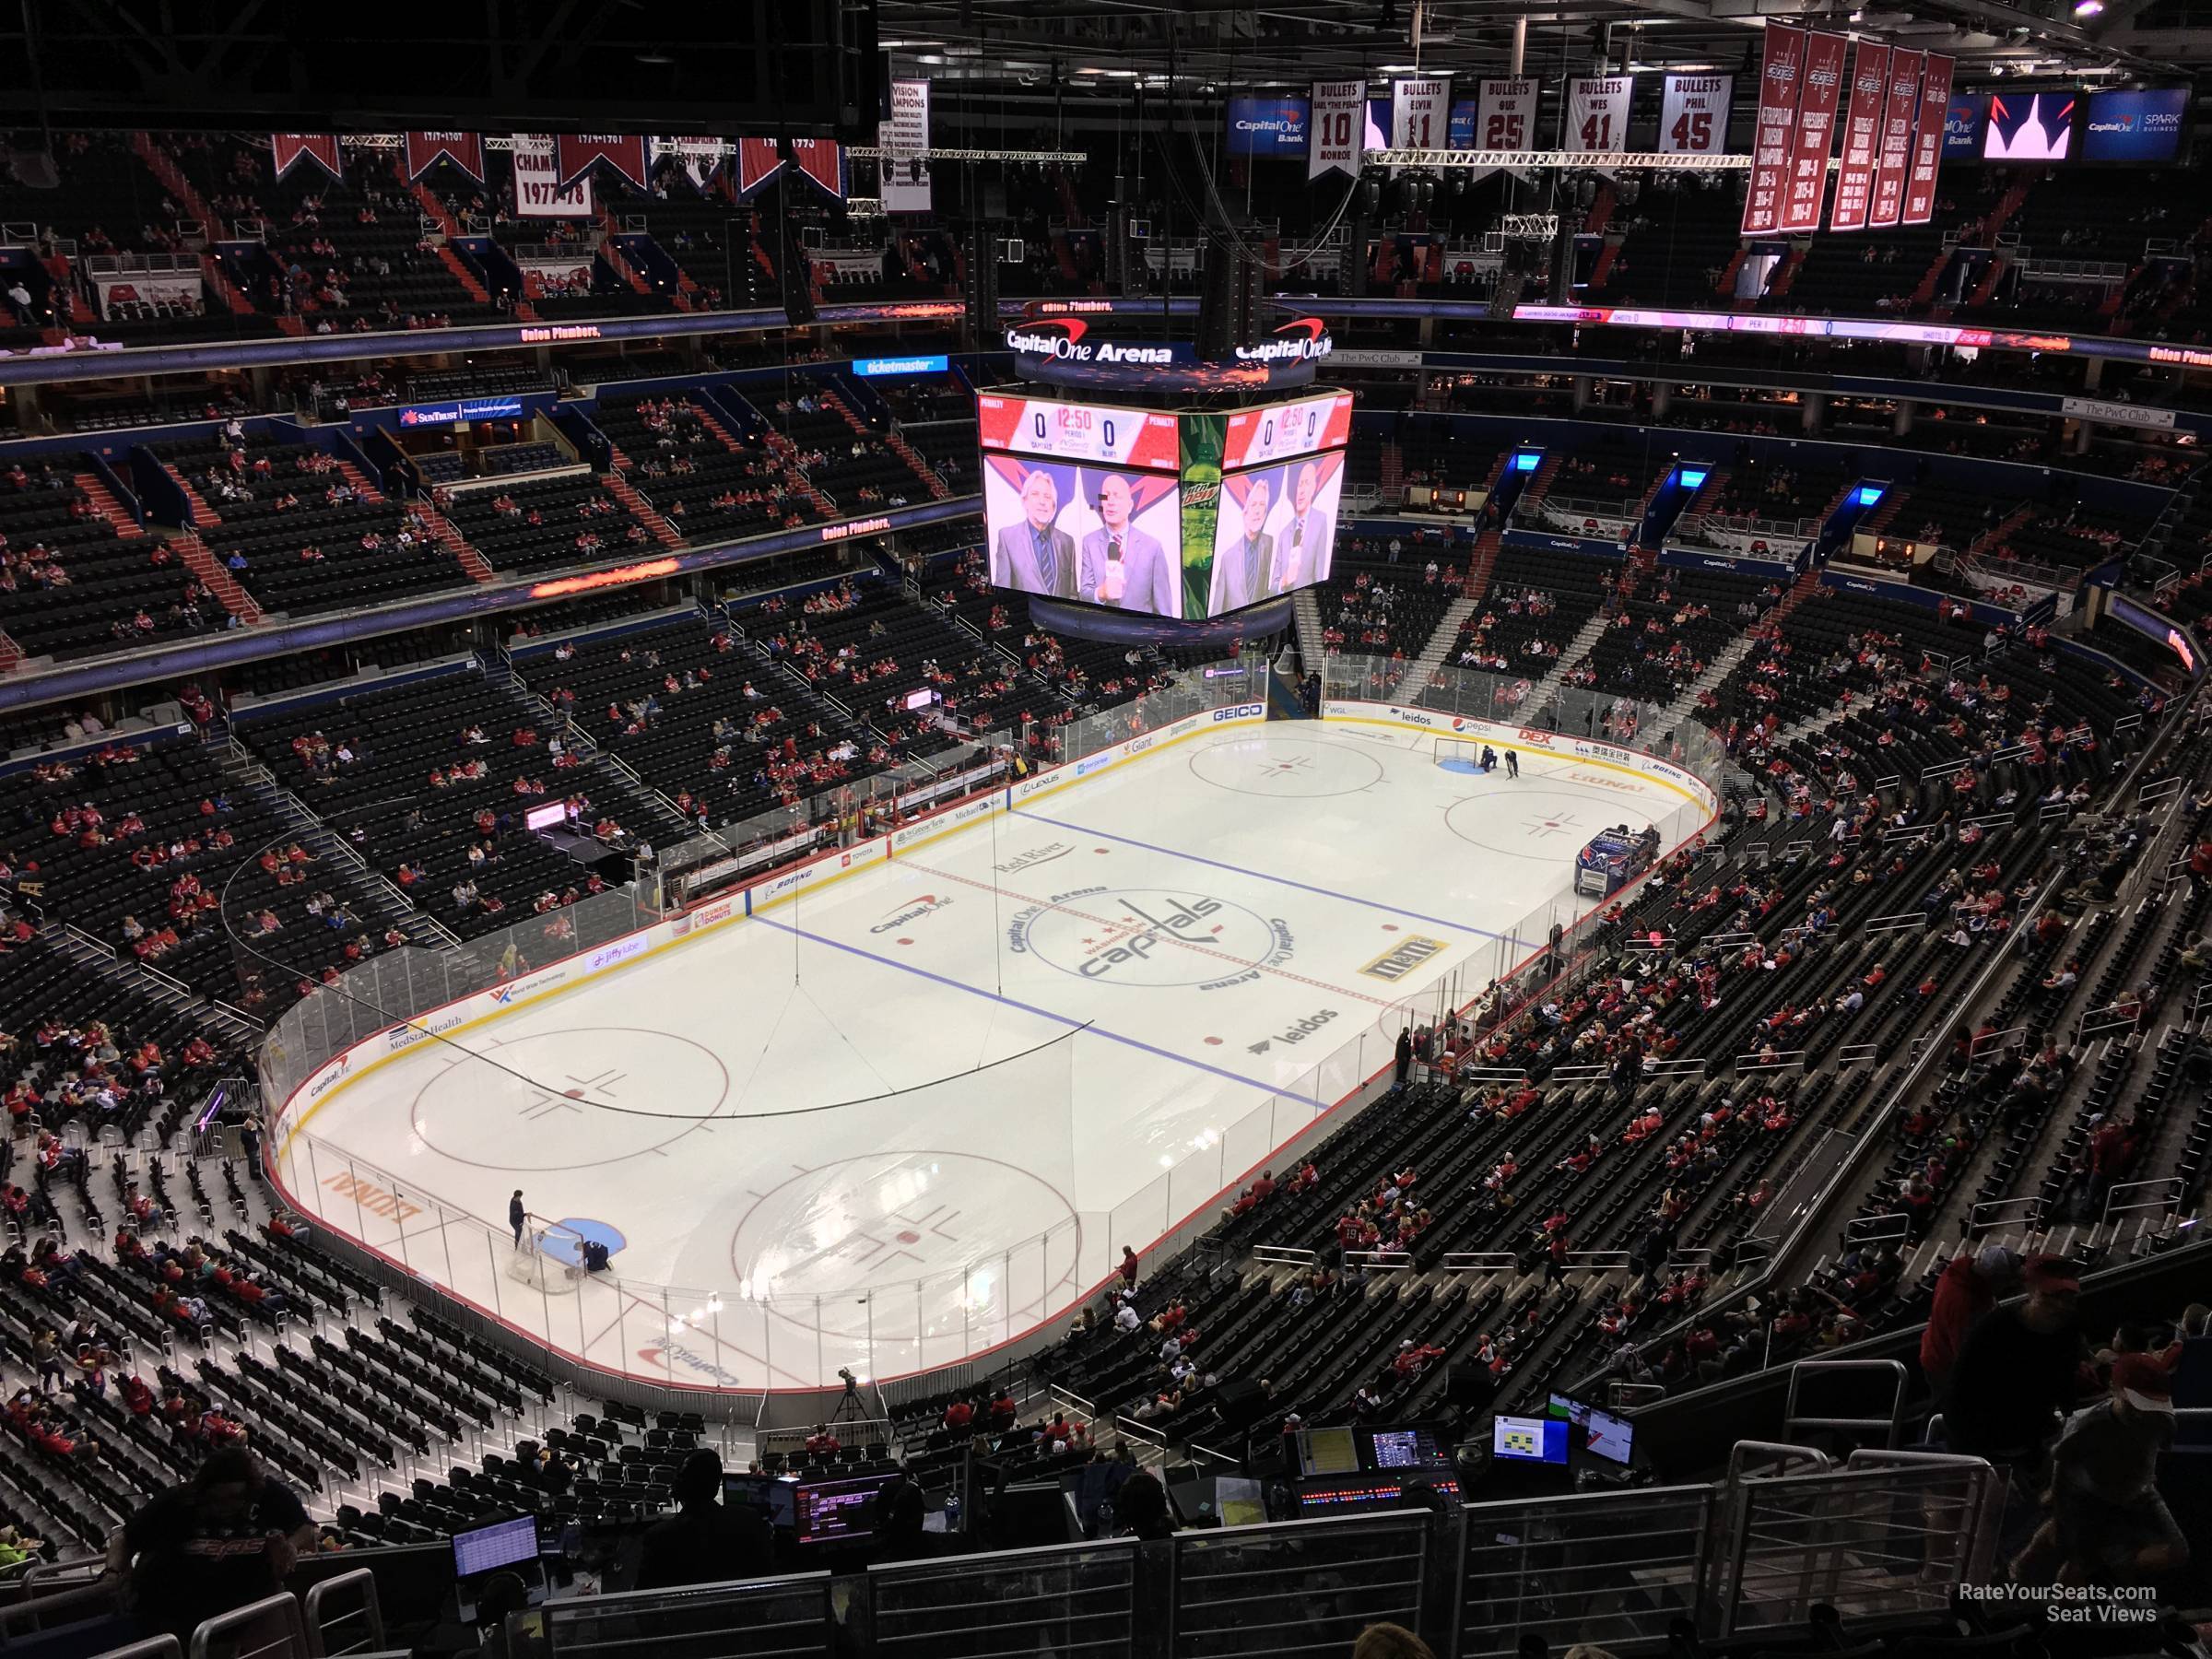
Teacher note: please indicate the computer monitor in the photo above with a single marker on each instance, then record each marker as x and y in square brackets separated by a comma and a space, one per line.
[837, 1512]
[1600, 1433]
[749, 1491]
[1529, 1440]
[488, 1548]
[1327, 1451]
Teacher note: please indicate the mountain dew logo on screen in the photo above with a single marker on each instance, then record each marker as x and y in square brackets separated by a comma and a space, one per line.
[1203, 439]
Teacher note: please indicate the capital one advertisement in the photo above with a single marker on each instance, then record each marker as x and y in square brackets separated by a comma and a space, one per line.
[1276, 530]
[1269, 126]
[2135, 126]
[1100, 535]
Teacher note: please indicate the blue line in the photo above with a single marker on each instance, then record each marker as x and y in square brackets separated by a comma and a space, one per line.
[1129, 840]
[1042, 1013]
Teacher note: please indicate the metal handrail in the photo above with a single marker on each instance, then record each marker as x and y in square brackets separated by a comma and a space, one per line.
[1894, 1369]
[369, 1613]
[281, 1610]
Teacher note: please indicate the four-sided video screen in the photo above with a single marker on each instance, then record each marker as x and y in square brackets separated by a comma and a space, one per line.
[1178, 515]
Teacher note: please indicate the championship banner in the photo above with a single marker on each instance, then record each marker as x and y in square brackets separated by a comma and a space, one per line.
[758, 162]
[465, 150]
[1781, 73]
[1597, 113]
[1693, 117]
[1819, 95]
[625, 152]
[1338, 125]
[1893, 159]
[1505, 115]
[823, 160]
[905, 187]
[1420, 113]
[291, 148]
[1927, 140]
[701, 158]
[1862, 138]
[538, 192]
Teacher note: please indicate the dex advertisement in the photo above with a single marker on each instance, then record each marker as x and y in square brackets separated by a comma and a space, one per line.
[1100, 535]
[1275, 530]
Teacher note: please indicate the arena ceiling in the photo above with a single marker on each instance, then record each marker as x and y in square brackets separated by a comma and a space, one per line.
[1106, 45]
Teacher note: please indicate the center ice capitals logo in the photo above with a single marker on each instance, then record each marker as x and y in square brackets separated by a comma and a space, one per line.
[1153, 937]
[909, 912]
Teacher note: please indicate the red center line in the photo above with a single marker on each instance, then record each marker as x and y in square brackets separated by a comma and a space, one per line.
[1118, 927]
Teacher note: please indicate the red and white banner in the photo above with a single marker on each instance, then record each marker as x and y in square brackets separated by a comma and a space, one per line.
[291, 148]
[1337, 124]
[1597, 113]
[904, 136]
[757, 164]
[465, 150]
[538, 192]
[1862, 138]
[1693, 117]
[823, 160]
[1781, 72]
[1893, 161]
[701, 158]
[1420, 113]
[121, 298]
[1505, 115]
[1820, 96]
[1927, 140]
[625, 152]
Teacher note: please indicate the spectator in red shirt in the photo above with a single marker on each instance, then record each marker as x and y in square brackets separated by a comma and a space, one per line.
[1969, 1288]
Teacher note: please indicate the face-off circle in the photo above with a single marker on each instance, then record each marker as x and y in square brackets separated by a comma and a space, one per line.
[1153, 937]
[543, 1107]
[1285, 767]
[1528, 823]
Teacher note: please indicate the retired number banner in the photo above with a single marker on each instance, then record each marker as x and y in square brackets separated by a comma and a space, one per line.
[1597, 113]
[1505, 115]
[1862, 138]
[1820, 96]
[1693, 117]
[1337, 124]
[1927, 140]
[1420, 113]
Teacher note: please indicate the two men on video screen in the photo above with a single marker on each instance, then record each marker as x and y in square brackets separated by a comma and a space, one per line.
[1260, 563]
[1116, 564]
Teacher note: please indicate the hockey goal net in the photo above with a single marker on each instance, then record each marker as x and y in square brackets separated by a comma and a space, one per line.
[1461, 754]
[549, 1258]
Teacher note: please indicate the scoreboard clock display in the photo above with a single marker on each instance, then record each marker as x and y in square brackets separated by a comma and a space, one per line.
[1282, 431]
[1100, 434]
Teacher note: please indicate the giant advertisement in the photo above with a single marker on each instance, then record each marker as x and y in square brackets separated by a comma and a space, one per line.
[1102, 535]
[2135, 126]
[1271, 127]
[1275, 530]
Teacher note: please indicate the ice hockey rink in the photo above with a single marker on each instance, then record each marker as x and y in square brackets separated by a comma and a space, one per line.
[908, 1115]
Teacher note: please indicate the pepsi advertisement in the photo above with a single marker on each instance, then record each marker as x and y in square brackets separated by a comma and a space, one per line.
[1272, 126]
[2135, 126]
